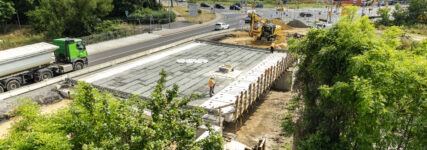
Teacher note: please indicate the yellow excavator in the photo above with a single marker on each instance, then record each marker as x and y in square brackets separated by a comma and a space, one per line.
[256, 25]
[264, 29]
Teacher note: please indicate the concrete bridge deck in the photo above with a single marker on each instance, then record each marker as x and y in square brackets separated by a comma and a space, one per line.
[190, 66]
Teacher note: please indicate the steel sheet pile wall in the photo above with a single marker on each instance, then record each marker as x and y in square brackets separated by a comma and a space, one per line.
[248, 88]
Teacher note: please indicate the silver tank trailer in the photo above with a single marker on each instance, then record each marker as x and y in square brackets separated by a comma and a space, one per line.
[22, 58]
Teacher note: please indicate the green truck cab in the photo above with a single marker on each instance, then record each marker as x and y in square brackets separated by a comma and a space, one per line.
[71, 51]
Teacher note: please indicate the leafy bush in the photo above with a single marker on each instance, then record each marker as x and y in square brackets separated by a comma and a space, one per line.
[144, 14]
[106, 26]
[98, 120]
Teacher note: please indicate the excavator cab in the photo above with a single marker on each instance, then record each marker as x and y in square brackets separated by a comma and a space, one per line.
[269, 31]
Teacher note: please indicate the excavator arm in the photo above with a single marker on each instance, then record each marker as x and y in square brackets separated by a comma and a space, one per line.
[256, 25]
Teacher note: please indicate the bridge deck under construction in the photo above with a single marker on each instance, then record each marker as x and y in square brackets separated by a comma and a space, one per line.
[190, 66]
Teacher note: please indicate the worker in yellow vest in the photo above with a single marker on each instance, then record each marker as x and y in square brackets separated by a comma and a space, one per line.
[211, 84]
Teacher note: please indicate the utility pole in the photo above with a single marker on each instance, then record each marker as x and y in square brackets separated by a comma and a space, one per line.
[171, 5]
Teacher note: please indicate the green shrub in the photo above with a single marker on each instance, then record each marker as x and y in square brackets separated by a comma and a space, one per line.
[106, 26]
[144, 14]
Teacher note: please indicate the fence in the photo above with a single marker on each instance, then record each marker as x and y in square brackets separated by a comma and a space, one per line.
[248, 98]
[95, 38]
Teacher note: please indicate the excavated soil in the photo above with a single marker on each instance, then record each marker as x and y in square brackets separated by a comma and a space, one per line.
[266, 122]
[243, 38]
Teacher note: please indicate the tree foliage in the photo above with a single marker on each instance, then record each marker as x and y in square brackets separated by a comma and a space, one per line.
[6, 11]
[417, 11]
[98, 120]
[145, 14]
[359, 92]
[399, 14]
[22, 7]
[385, 17]
[69, 17]
[121, 6]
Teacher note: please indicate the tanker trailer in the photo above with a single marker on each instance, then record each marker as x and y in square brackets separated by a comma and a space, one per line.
[40, 61]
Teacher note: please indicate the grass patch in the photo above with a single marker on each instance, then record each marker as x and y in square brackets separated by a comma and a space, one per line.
[420, 29]
[16, 37]
[417, 29]
[203, 16]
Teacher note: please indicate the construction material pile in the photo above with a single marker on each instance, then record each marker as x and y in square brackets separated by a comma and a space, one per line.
[243, 38]
[297, 24]
[281, 23]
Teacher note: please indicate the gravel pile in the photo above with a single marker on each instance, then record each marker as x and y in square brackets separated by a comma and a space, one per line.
[297, 24]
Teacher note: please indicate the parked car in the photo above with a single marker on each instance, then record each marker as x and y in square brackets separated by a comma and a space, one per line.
[219, 6]
[305, 14]
[234, 7]
[181, 1]
[221, 26]
[238, 4]
[323, 25]
[204, 5]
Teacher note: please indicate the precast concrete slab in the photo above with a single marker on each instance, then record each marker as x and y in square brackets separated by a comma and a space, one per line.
[189, 66]
[246, 88]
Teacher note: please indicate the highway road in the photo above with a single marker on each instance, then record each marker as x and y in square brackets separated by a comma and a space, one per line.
[232, 19]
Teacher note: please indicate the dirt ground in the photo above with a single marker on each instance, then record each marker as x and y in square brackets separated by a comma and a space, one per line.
[266, 122]
[45, 109]
[243, 38]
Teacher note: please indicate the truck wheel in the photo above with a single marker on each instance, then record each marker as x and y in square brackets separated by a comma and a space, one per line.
[1, 89]
[46, 75]
[78, 66]
[13, 84]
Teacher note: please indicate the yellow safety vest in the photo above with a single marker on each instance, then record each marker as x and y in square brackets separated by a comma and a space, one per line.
[211, 82]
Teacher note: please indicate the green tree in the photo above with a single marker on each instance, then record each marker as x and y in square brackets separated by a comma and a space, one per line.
[6, 12]
[385, 17]
[326, 56]
[392, 99]
[22, 7]
[121, 6]
[400, 15]
[78, 17]
[417, 11]
[359, 92]
[98, 120]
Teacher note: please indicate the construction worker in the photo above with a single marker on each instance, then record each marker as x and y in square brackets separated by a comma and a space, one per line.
[272, 47]
[211, 84]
